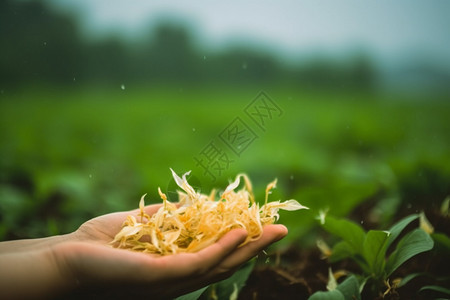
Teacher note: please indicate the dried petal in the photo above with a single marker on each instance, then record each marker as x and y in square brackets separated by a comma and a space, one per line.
[232, 186]
[182, 183]
[142, 203]
[425, 224]
[200, 220]
[291, 205]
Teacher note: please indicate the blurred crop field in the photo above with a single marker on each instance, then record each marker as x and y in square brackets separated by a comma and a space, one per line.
[346, 105]
[70, 155]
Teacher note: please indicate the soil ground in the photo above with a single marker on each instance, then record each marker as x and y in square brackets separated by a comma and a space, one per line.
[298, 273]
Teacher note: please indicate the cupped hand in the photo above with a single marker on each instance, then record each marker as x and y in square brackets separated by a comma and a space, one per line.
[90, 265]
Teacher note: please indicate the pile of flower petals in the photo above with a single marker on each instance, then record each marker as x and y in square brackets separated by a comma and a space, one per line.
[199, 220]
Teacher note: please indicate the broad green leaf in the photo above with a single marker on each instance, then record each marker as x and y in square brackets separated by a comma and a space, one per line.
[442, 241]
[374, 251]
[349, 231]
[192, 295]
[330, 295]
[350, 288]
[398, 227]
[340, 251]
[413, 243]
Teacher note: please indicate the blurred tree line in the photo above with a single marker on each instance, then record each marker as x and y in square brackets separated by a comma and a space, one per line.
[39, 45]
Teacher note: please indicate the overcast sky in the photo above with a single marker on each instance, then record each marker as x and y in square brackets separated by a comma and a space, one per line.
[386, 28]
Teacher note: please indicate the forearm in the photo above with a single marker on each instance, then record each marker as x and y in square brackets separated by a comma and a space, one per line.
[30, 275]
[33, 244]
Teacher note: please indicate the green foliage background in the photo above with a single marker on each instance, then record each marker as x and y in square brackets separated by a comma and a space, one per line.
[66, 157]
[87, 127]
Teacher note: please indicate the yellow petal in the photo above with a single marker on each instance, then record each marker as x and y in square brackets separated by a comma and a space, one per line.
[324, 248]
[200, 220]
[142, 204]
[425, 224]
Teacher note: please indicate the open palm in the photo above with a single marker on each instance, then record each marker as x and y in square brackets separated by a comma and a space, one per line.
[94, 267]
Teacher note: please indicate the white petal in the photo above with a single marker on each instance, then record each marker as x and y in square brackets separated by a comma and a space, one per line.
[332, 284]
[177, 178]
[127, 231]
[233, 185]
[322, 216]
[142, 203]
[184, 176]
[182, 183]
[292, 205]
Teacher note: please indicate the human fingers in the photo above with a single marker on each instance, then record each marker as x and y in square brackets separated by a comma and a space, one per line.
[87, 256]
[233, 261]
[93, 264]
[168, 275]
[199, 263]
[194, 269]
[225, 256]
[270, 235]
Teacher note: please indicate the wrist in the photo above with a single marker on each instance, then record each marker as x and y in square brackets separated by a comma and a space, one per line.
[65, 278]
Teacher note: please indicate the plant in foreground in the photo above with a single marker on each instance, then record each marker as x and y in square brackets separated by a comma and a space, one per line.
[199, 220]
[369, 250]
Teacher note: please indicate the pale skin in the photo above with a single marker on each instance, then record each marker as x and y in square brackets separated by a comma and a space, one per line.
[83, 262]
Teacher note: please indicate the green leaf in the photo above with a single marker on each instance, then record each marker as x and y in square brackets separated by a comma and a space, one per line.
[225, 288]
[350, 288]
[410, 277]
[413, 243]
[374, 251]
[193, 295]
[349, 231]
[442, 241]
[330, 295]
[340, 251]
[347, 290]
[398, 227]
[435, 288]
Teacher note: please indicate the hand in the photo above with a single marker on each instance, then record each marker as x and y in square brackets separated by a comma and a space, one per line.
[88, 264]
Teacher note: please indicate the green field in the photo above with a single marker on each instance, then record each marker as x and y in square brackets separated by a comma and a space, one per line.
[68, 156]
